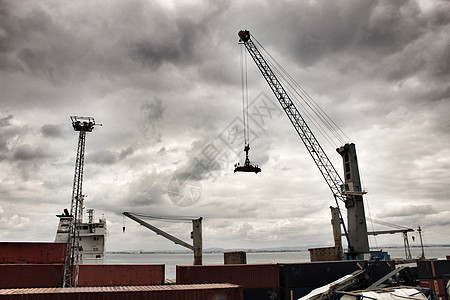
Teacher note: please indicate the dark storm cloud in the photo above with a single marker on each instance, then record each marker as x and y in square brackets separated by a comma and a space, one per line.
[176, 48]
[34, 43]
[53, 131]
[370, 32]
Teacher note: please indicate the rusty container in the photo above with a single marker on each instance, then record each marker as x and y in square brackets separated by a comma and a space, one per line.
[428, 269]
[120, 275]
[252, 276]
[32, 253]
[170, 292]
[31, 275]
[436, 285]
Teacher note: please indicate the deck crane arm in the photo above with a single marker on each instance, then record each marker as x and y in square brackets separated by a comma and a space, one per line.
[350, 191]
[196, 235]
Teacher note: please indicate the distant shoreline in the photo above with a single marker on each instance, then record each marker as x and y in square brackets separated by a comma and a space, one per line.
[245, 250]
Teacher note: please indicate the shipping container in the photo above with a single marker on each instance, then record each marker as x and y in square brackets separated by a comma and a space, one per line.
[31, 275]
[120, 275]
[235, 257]
[168, 292]
[435, 285]
[315, 274]
[256, 276]
[428, 269]
[32, 253]
[262, 294]
[378, 269]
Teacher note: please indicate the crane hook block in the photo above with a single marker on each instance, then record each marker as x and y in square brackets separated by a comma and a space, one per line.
[247, 167]
[244, 36]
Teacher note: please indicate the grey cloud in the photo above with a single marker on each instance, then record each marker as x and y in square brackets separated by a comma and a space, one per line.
[26, 153]
[147, 190]
[162, 151]
[6, 121]
[411, 210]
[109, 157]
[178, 43]
[154, 110]
[50, 130]
[199, 164]
[164, 80]
[126, 152]
[368, 32]
[34, 42]
[153, 55]
[102, 157]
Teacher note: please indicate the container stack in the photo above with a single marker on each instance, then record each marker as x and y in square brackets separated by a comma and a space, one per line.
[259, 281]
[435, 275]
[31, 265]
[279, 281]
[35, 271]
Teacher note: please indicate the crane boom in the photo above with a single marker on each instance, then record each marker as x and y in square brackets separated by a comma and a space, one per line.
[159, 231]
[349, 192]
[196, 235]
[319, 156]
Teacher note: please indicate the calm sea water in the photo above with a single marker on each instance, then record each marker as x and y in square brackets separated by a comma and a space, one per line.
[171, 260]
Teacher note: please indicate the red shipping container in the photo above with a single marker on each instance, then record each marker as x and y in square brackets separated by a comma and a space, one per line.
[31, 275]
[117, 275]
[436, 285]
[32, 253]
[168, 292]
[262, 276]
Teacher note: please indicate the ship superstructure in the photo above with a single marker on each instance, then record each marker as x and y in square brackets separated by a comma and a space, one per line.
[92, 236]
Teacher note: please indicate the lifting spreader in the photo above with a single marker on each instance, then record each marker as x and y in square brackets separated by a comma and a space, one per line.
[247, 167]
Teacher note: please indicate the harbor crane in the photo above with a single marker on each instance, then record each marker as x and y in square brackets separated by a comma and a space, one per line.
[196, 233]
[82, 125]
[349, 191]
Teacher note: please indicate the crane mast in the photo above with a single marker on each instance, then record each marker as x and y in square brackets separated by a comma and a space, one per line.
[347, 192]
[83, 125]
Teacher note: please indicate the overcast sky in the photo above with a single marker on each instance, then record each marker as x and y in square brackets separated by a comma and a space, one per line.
[164, 79]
